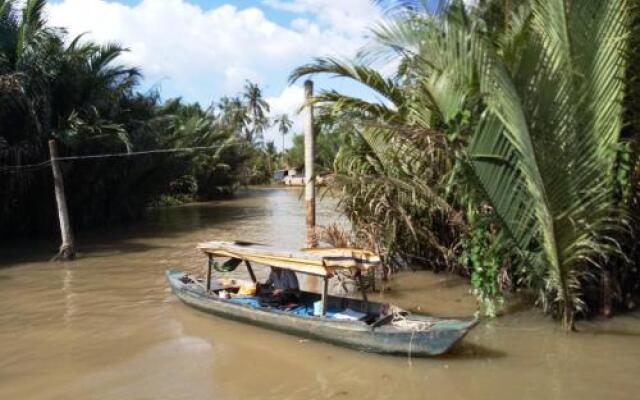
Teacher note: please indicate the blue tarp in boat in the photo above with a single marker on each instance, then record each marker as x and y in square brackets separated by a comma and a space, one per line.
[303, 309]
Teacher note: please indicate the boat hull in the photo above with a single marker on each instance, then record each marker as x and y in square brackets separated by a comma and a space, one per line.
[442, 335]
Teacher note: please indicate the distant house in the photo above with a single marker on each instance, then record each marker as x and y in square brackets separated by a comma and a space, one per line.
[293, 177]
[280, 174]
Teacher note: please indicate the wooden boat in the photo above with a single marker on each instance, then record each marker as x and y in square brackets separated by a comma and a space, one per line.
[382, 329]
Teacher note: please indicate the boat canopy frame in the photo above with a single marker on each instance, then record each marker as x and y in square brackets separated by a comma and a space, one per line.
[320, 262]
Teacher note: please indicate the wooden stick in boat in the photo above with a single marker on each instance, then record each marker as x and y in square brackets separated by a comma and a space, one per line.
[253, 276]
[325, 295]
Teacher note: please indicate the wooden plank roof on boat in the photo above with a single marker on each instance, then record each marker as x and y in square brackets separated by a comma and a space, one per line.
[317, 261]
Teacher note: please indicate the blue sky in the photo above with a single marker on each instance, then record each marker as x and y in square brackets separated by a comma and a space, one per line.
[204, 49]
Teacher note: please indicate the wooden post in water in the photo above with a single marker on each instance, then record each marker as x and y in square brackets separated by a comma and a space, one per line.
[309, 159]
[67, 249]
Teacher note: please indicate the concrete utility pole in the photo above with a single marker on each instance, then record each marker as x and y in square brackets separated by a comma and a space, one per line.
[309, 173]
[67, 250]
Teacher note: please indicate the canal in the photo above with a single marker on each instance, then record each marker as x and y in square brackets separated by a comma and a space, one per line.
[107, 327]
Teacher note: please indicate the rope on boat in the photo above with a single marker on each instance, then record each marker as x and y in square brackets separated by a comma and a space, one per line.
[192, 280]
[400, 320]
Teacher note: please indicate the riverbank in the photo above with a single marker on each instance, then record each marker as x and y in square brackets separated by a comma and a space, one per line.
[107, 327]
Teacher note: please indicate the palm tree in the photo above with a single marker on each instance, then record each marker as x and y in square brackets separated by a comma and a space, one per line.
[74, 93]
[233, 114]
[59, 86]
[271, 154]
[547, 114]
[24, 63]
[88, 78]
[257, 107]
[22, 33]
[284, 125]
[391, 176]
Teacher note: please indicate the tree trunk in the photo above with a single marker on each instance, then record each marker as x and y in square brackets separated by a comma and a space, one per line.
[67, 249]
[269, 166]
[309, 159]
[568, 318]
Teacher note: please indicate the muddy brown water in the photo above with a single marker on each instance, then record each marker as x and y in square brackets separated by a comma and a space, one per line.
[107, 327]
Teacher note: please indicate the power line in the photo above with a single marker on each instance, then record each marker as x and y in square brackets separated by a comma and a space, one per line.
[137, 153]
[27, 169]
[16, 169]
[44, 164]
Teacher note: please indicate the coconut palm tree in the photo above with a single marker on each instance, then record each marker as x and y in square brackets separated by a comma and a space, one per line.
[23, 60]
[233, 114]
[257, 108]
[75, 93]
[284, 125]
[542, 147]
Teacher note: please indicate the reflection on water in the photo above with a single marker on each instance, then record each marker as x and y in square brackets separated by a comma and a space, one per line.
[107, 327]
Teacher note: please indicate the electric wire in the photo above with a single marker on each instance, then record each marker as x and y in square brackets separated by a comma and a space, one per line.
[17, 169]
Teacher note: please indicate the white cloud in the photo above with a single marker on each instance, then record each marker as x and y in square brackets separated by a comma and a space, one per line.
[204, 54]
[287, 102]
[350, 16]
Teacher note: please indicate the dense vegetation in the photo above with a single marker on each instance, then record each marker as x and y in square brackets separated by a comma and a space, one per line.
[505, 147]
[502, 149]
[75, 91]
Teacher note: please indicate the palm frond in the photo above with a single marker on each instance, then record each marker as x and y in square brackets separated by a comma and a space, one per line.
[367, 76]
[32, 22]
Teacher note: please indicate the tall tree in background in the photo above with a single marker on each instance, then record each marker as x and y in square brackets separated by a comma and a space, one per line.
[284, 124]
[233, 114]
[257, 108]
